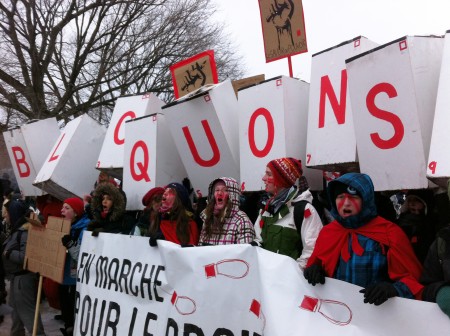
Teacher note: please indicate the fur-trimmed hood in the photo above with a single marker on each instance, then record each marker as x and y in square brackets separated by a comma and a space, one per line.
[118, 199]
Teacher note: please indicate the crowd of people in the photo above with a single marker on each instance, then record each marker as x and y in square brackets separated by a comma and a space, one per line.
[390, 245]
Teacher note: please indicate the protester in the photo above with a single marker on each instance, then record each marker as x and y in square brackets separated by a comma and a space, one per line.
[176, 222]
[363, 248]
[152, 202]
[289, 224]
[223, 222]
[23, 283]
[108, 211]
[436, 272]
[72, 210]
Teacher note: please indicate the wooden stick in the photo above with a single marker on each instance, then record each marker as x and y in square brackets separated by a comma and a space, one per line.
[38, 306]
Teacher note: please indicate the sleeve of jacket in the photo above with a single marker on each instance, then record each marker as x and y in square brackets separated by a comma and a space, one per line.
[258, 230]
[74, 251]
[246, 232]
[432, 276]
[18, 256]
[311, 226]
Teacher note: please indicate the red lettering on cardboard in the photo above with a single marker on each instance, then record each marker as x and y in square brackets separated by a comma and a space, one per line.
[54, 157]
[129, 114]
[339, 107]
[21, 161]
[212, 142]
[142, 174]
[393, 119]
[270, 132]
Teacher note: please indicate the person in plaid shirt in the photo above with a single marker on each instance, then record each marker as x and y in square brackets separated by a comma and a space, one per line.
[223, 222]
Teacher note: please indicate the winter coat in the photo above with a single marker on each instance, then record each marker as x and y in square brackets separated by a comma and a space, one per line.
[15, 244]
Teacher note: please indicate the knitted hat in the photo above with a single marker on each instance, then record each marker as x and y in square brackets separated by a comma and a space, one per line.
[285, 171]
[182, 194]
[76, 204]
[150, 194]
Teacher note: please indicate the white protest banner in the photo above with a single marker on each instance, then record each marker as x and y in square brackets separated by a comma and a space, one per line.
[273, 119]
[438, 168]
[233, 290]
[26, 154]
[331, 140]
[204, 127]
[151, 158]
[393, 94]
[69, 169]
[126, 108]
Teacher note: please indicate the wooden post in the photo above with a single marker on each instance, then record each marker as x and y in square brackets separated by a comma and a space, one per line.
[38, 306]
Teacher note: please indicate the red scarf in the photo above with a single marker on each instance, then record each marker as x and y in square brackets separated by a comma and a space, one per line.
[333, 242]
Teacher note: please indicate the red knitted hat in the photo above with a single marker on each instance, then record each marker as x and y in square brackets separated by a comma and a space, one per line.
[285, 171]
[76, 204]
[150, 194]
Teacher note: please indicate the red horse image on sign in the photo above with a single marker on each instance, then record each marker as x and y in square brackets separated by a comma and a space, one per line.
[283, 27]
[194, 72]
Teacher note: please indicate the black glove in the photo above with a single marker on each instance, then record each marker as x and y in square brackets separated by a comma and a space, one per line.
[187, 245]
[3, 295]
[314, 274]
[253, 243]
[67, 241]
[378, 293]
[153, 241]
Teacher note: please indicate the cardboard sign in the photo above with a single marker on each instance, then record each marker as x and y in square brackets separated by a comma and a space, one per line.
[245, 82]
[283, 27]
[45, 253]
[438, 167]
[27, 155]
[205, 130]
[193, 73]
[151, 158]
[331, 140]
[69, 170]
[126, 108]
[273, 124]
[393, 89]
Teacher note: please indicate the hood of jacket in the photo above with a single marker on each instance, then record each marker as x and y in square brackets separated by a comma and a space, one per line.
[233, 190]
[364, 186]
[118, 207]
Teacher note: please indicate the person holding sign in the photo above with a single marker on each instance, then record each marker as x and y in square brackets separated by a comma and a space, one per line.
[175, 222]
[223, 222]
[23, 283]
[72, 210]
[363, 248]
[288, 224]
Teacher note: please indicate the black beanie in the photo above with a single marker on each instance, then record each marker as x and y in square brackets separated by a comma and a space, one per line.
[340, 188]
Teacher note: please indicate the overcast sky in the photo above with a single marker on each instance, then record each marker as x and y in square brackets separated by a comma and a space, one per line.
[330, 22]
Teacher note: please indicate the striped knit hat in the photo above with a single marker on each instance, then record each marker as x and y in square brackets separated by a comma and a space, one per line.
[285, 171]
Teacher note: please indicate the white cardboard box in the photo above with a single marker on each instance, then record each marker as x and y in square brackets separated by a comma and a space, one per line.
[393, 93]
[151, 158]
[69, 169]
[273, 124]
[204, 127]
[438, 167]
[28, 146]
[126, 108]
[331, 141]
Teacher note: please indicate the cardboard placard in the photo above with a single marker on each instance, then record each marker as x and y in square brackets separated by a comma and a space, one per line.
[27, 155]
[283, 27]
[126, 108]
[273, 124]
[69, 169]
[45, 253]
[205, 131]
[438, 167]
[245, 82]
[193, 73]
[151, 158]
[393, 88]
[331, 140]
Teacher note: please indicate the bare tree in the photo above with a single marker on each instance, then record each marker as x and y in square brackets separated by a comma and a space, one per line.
[63, 58]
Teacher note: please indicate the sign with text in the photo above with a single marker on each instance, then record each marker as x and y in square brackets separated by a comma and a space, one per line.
[169, 290]
[205, 132]
[273, 124]
[438, 167]
[283, 27]
[69, 169]
[393, 89]
[28, 155]
[126, 108]
[151, 158]
[193, 73]
[331, 143]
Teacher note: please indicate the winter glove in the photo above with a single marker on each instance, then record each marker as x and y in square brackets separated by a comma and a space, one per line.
[253, 243]
[378, 293]
[67, 241]
[187, 245]
[314, 274]
[153, 241]
[443, 299]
